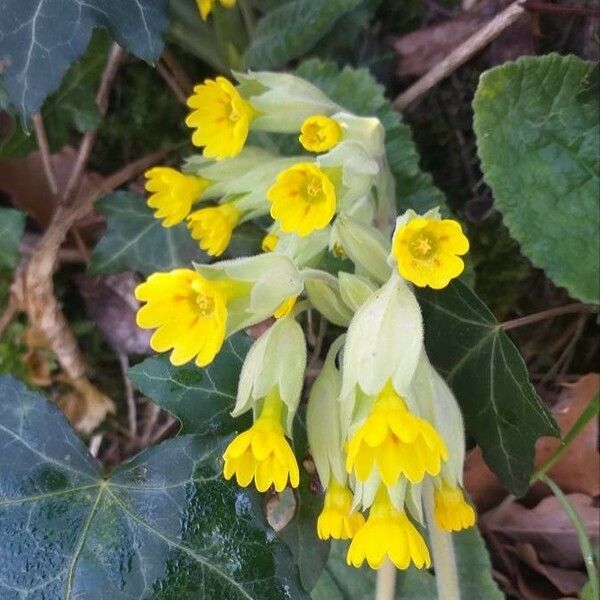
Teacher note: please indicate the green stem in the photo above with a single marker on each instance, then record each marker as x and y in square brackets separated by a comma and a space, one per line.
[582, 537]
[586, 416]
[442, 549]
[386, 581]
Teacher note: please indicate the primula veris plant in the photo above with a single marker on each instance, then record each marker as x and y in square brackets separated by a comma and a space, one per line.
[383, 428]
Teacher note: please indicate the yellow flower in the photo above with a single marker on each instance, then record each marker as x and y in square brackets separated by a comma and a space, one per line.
[173, 193]
[286, 307]
[319, 133]
[221, 118]
[397, 441]
[388, 533]
[337, 520]
[188, 312]
[269, 242]
[213, 227]
[206, 6]
[302, 199]
[428, 250]
[452, 512]
[262, 453]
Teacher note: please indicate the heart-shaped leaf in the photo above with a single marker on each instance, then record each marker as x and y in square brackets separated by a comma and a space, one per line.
[164, 525]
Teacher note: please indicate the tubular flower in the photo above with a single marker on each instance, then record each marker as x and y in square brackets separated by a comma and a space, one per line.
[388, 533]
[221, 118]
[205, 7]
[428, 251]
[286, 307]
[188, 312]
[319, 133]
[262, 453]
[452, 512]
[213, 227]
[269, 242]
[302, 199]
[397, 441]
[337, 520]
[172, 193]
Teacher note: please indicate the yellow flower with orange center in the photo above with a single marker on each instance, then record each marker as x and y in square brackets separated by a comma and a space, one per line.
[428, 251]
[337, 520]
[188, 312]
[262, 453]
[172, 193]
[395, 441]
[388, 533]
[205, 7]
[213, 227]
[303, 199]
[452, 512]
[320, 133]
[221, 118]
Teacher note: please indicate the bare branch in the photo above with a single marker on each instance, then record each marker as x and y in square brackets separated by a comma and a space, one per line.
[42, 142]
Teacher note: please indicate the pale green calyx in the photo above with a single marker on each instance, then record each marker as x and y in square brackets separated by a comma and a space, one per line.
[324, 293]
[323, 420]
[354, 290]
[277, 359]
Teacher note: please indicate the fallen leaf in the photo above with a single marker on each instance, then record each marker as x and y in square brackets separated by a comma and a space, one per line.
[280, 509]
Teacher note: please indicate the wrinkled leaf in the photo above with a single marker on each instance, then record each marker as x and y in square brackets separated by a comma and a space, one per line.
[340, 582]
[357, 90]
[538, 138]
[292, 29]
[12, 225]
[163, 526]
[72, 106]
[135, 240]
[200, 398]
[39, 40]
[484, 369]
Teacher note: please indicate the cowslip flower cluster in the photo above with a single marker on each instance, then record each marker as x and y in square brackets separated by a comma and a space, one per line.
[384, 429]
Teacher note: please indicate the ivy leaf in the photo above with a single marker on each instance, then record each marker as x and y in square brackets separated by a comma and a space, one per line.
[135, 240]
[339, 581]
[72, 106]
[200, 398]
[164, 525]
[12, 224]
[538, 138]
[484, 369]
[358, 91]
[40, 39]
[293, 29]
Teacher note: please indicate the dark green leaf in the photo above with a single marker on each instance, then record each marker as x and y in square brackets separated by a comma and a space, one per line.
[200, 398]
[135, 240]
[501, 409]
[356, 90]
[293, 29]
[538, 137]
[163, 526]
[72, 107]
[245, 241]
[12, 224]
[340, 582]
[39, 40]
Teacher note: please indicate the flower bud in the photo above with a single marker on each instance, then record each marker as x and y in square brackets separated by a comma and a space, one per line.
[354, 290]
[324, 293]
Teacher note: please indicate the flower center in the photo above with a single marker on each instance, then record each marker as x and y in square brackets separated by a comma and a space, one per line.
[423, 245]
[234, 114]
[314, 188]
[206, 305]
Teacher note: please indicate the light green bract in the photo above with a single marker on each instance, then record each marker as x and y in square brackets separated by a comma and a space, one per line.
[539, 142]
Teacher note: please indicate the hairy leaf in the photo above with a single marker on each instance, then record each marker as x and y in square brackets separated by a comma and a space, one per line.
[358, 91]
[135, 240]
[339, 582]
[163, 526]
[12, 224]
[40, 39]
[501, 409]
[200, 398]
[72, 107]
[293, 29]
[538, 137]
